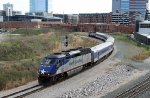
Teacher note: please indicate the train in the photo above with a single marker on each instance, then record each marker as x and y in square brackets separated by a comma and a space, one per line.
[58, 66]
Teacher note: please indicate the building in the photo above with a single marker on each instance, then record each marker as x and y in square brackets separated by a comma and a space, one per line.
[119, 18]
[40, 6]
[132, 7]
[144, 27]
[124, 6]
[104, 27]
[42, 14]
[143, 34]
[26, 18]
[16, 13]
[73, 19]
[95, 18]
[1, 18]
[68, 18]
[138, 7]
[115, 6]
[8, 8]
[83, 27]
[63, 16]
[2, 13]
[120, 6]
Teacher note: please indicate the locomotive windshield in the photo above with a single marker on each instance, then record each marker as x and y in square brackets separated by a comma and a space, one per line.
[49, 61]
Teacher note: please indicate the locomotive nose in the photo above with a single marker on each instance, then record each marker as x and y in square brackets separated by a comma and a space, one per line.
[47, 70]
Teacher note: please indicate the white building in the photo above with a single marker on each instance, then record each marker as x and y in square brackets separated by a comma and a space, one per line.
[143, 34]
[144, 27]
[1, 18]
[8, 8]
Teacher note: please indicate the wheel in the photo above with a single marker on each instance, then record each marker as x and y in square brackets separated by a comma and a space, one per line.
[41, 80]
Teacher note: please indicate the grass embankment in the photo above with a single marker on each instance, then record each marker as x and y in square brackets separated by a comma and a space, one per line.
[145, 48]
[20, 55]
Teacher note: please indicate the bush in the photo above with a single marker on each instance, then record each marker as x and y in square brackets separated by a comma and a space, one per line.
[28, 32]
[15, 51]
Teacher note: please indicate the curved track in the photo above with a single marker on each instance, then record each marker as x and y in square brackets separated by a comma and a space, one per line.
[33, 89]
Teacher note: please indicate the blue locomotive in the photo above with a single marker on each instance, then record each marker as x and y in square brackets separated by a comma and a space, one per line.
[60, 65]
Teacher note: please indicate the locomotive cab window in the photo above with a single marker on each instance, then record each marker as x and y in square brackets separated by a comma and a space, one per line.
[59, 63]
[49, 61]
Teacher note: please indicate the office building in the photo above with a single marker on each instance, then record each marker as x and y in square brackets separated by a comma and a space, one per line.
[130, 6]
[120, 6]
[124, 6]
[40, 6]
[115, 6]
[138, 7]
[8, 8]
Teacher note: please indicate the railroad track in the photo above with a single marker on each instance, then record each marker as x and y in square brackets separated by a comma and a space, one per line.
[136, 90]
[36, 88]
[24, 92]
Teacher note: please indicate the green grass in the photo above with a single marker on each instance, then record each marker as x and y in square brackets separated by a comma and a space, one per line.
[145, 48]
[29, 31]
[125, 38]
[15, 50]
[13, 75]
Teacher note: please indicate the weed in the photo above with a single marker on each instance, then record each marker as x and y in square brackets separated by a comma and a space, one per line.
[146, 48]
[20, 56]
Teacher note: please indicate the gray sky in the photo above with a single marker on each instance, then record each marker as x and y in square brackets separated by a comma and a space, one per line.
[66, 6]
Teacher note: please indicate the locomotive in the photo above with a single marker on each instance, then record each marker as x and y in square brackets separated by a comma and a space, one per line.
[61, 65]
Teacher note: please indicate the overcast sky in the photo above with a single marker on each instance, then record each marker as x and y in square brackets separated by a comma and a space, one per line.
[66, 6]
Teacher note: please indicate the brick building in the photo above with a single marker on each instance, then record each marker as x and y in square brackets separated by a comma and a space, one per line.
[108, 28]
[83, 27]
[95, 18]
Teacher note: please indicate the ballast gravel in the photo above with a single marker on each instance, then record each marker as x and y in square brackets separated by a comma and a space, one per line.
[96, 82]
[102, 84]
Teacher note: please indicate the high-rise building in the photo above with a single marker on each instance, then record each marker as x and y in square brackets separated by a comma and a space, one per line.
[131, 6]
[138, 6]
[8, 8]
[115, 6]
[40, 6]
[124, 6]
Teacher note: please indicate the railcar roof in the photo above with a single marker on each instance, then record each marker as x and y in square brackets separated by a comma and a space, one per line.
[101, 46]
[74, 52]
[56, 56]
[69, 52]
